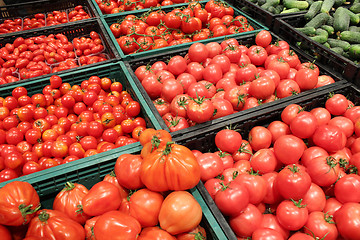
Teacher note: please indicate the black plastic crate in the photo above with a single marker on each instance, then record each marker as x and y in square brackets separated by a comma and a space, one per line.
[259, 13]
[285, 27]
[203, 139]
[25, 8]
[71, 30]
[250, 40]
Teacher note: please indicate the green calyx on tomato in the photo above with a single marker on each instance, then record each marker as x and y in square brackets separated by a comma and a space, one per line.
[167, 149]
[68, 186]
[298, 203]
[43, 216]
[26, 210]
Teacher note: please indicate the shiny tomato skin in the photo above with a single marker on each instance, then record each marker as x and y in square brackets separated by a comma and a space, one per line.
[124, 225]
[51, 223]
[234, 192]
[69, 199]
[347, 218]
[145, 207]
[180, 212]
[104, 195]
[293, 182]
[13, 195]
[291, 216]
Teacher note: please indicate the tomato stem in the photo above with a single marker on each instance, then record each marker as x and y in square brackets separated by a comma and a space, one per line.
[298, 203]
[69, 186]
[44, 216]
[112, 173]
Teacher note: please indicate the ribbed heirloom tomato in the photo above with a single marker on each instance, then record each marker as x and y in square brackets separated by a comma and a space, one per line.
[170, 167]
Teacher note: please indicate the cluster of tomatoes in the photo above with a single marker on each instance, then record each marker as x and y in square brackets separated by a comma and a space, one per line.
[64, 123]
[133, 202]
[294, 179]
[36, 56]
[215, 80]
[157, 29]
[40, 20]
[11, 25]
[116, 6]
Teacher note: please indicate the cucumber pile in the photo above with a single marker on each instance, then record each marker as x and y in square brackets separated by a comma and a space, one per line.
[283, 6]
[335, 24]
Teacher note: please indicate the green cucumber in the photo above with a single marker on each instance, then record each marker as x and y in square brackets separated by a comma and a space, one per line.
[318, 20]
[320, 38]
[338, 50]
[279, 8]
[307, 30]
[338, 3]
[327, 45]
[330, 21]
[354, 52]
[355, 8]
[291, 10]
[261, 2]
[346, 54]
[272, 9]
[352, 37]
[313, 10]
[329, 29]
[269, 3]
[341, 20]
[302, 5]
[354, 18]
[310, 2]
[327, 5]
[339, 43]
[354, 29]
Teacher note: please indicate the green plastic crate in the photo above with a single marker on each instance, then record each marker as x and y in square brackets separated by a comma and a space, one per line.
[108, 20]
[99, 13]
[247, 40]
[116, 71]
[91, 170]
[71, 31]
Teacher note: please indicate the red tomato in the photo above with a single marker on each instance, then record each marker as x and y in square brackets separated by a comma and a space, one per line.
[321, 225]
[19, 201]
[179, 213]
[111, 222]
[346, 219]
[255, 185]
[228, 140]
[346, 188]
[210, 166]
[263, 38]
[226, 198]
[101, 198]
[127, 171]
[315, 198]
[329, 137]
[153, 167]
[292, 215]
[145, 207]
[293, 182]
[246, 222]
[69, 200]
[259, 137]
[303, 125]
[51, 223]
